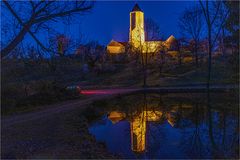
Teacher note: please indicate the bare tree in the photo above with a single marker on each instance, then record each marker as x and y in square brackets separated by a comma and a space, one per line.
[152, 30]
[161, 58]
[94, 52]
[62, 45]
[37, 14]
[180, 47]
[191, 24]
[211, 13]
[149, 50]
[232, 24]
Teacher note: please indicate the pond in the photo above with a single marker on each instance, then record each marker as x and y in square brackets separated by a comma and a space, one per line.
[169, 126]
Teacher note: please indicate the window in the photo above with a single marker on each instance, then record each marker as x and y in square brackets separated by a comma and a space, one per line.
[133, 20]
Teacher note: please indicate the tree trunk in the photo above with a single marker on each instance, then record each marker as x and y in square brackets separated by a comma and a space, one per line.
[197, 64]
[161, 64]
[196, 55]
[179, 58]
[5, 51]
[209, 56]
[145, 71]
[223, 45]
[144, 77]
[210, 128]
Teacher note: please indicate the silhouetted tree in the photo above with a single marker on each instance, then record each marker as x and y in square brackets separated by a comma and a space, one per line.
[152, 33]
[36, 16]
[232, 25]
[152, 30]
[211, 12]
[161, 58]
[180, 47]
[94, 52]
[191, 24]
[232, 22]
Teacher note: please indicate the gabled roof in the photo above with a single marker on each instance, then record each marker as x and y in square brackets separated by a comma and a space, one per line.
[115, 43]
[171, 39]
[136, 8]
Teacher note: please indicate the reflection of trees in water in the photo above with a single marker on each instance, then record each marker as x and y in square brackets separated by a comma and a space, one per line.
[154, 137]
[210, 135]
[223, 132]
[154, 132]
[191, 141]
[207, 130]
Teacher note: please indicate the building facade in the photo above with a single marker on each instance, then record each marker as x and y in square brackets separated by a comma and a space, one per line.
[137, 39]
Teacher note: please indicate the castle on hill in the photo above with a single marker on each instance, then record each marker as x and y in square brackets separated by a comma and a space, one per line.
[137, 38]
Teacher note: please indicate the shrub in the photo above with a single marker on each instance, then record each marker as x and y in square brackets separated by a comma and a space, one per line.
[16, 98]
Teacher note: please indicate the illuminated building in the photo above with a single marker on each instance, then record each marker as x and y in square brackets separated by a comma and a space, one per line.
[137, 39]
[115, 47]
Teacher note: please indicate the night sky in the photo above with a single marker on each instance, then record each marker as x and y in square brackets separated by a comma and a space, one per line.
[110, 20]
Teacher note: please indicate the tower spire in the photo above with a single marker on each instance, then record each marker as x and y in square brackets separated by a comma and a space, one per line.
[136, 8]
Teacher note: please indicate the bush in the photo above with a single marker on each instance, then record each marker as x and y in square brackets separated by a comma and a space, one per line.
[20, 97]
[10, 94]
[48, 92]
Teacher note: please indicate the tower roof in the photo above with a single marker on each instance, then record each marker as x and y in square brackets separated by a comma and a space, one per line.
[136, 8]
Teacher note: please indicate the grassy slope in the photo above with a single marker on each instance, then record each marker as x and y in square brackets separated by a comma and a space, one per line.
[179, 75]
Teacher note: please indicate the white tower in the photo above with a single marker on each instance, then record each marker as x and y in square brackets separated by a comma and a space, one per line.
[136, 31]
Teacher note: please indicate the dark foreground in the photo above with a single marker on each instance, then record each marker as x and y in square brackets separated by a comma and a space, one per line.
[190, 125]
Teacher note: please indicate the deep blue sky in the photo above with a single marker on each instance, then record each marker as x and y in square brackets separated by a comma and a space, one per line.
[110, 20]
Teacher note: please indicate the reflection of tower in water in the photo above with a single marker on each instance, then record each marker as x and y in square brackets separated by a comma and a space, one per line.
[139, 128]
[138, 124]
[138, 132]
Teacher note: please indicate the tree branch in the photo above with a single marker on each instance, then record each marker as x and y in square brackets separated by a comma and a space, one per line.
[45, 16]
[26, 28]
[61, 14]
[216, 13]
[220, 27]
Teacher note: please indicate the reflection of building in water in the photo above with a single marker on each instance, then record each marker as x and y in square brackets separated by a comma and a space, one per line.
[116, 116]
[138, 126]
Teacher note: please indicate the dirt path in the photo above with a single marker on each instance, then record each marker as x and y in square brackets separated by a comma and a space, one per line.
[94, 95]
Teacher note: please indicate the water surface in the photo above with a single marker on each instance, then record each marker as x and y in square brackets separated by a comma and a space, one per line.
[169, 126]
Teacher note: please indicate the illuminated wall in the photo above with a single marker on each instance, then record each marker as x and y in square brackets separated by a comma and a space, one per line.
[136, 31]
[152, 46]
[116, 49]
